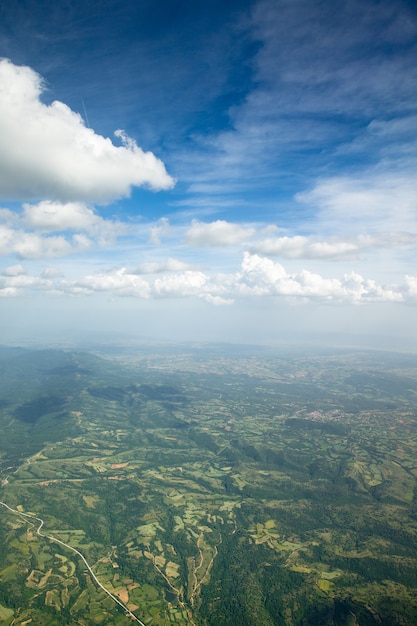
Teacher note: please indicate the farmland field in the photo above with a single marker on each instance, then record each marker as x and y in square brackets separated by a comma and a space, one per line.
[208, 486]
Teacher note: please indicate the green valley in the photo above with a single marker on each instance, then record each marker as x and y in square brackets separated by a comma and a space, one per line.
[209, 486]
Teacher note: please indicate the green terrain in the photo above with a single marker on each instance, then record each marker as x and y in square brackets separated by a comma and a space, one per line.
[212, 486]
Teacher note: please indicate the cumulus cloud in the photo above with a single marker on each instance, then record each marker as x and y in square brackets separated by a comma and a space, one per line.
[258, 277]
[48, 152]
[48, 216]
[262, 277]
[117, 282]
[123, 283]
[30, 234]
[218, 233]
[27, 245]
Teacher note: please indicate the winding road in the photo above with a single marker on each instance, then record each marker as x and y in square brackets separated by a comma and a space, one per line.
[82, 557]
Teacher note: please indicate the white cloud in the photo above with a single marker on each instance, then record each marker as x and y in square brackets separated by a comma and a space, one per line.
[24, 280]
[15, 282]
[261, 276]
[14, 270]
[33, 246]
[170, 265]
[258, 277]
[369, 204]
[304, 247]
[329, 249]
[218, 233]
[9, 292]
[161, 229]
[218, 300]
[181, 285]
[47, 152]
[27, 235]
[48, 216]
[118, 282]
[301, 247]
[411, 286]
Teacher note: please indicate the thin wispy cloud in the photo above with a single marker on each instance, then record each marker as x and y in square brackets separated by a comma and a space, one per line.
[368, 203]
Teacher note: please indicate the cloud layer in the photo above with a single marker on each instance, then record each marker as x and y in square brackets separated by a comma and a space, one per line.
[293, 132]
[47, 152]
[257, 277]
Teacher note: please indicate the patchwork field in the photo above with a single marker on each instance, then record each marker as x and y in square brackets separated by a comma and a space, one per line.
[209, 487]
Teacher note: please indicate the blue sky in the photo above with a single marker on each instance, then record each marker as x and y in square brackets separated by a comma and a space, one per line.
[227, 171]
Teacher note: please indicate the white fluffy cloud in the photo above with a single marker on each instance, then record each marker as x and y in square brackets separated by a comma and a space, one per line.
[218, 233]
[46, 151]
[411, 285]
[27, 245]
[121, 282]
[261, 276]
[258, 277]
[48, 216]
[118, 282]
[77, 227]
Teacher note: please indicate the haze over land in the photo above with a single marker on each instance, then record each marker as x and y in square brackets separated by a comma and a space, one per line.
[239, 171]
